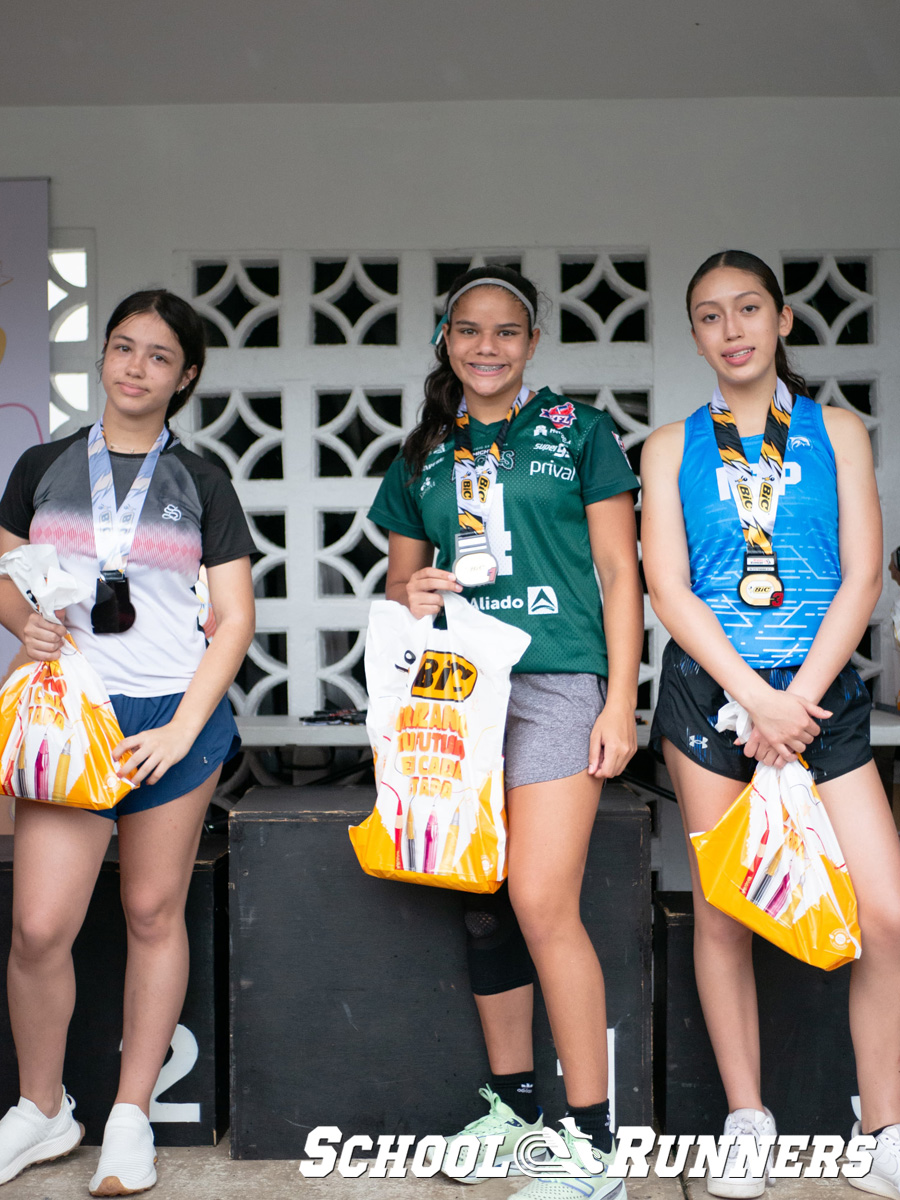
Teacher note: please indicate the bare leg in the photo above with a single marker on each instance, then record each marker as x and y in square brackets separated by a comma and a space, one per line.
[506, 1022]
[865, 830]
[157, 849]
[57, 856]
[546, 867]
[722, 946]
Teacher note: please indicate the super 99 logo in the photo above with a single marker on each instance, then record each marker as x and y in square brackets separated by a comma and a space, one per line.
[443, 675]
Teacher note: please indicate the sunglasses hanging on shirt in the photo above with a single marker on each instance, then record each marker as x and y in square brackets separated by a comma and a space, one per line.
[113, 611]
[114, 530]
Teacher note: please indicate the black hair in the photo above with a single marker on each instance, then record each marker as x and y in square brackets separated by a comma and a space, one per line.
[743, 260]
[443, 391]
[184, 322]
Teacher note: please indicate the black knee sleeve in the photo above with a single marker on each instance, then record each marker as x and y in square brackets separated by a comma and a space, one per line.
[496, 951]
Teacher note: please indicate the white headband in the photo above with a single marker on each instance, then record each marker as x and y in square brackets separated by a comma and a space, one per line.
[474, 283]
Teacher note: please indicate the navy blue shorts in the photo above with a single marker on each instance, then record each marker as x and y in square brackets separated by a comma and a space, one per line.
[690, 699]
[216, 743]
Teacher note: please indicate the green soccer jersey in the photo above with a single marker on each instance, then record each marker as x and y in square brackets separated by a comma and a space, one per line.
[558, 456]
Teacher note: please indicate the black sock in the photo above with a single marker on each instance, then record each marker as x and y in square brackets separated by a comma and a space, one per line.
[593, 1120]
[875, 1132]
[518, 1092]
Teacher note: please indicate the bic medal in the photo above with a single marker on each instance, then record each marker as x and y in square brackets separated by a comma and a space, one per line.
[475, 566]
[760, 586]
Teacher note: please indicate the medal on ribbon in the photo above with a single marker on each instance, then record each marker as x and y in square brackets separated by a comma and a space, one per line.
[475, 565]
[756, 494]
[114, 529]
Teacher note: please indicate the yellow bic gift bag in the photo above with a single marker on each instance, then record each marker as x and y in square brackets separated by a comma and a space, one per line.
[773, 863]
[437, 712]
[57, 725]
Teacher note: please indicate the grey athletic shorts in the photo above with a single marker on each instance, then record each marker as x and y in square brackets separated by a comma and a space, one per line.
[548, 726]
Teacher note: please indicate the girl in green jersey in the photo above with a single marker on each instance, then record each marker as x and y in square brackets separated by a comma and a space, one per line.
[562, 503]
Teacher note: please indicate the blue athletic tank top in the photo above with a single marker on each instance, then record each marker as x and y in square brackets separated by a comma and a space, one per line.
[805, 538]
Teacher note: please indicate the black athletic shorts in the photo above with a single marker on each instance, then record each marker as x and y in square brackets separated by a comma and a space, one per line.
[690, 699]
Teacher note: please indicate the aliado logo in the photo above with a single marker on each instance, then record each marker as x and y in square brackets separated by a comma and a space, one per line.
[542, 600]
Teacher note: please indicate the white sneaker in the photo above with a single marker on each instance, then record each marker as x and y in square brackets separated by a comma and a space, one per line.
[736, 1182]
[127, 1160]
[883, 1178]
[28, 1137]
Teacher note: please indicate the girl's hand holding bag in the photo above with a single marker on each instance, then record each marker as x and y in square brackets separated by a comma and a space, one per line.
[774, 864]
[57, 725]
[436, 720]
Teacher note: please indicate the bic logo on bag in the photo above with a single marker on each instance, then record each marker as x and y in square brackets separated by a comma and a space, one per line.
[443, 675]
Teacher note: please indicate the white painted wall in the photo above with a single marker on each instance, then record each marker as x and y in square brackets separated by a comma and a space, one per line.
[681, 178]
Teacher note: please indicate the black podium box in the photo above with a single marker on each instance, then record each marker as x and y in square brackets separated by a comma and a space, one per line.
[191, 1102]
[808, 1073]
[350, 1002]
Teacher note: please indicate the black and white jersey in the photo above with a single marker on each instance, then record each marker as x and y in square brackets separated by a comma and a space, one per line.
[191, 516]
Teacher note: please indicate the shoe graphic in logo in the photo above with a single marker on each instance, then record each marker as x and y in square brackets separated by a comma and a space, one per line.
[550, 1155]
[561, 415]
[542, 600]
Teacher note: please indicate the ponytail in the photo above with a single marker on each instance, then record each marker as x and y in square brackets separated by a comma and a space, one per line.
[443, 392]
[795, 382]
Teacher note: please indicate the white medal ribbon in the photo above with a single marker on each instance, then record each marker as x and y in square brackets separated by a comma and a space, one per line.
[114, 529]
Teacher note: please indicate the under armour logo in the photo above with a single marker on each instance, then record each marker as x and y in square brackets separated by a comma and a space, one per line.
[171, 513]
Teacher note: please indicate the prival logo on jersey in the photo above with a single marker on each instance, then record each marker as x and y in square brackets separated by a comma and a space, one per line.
[171, 513]
[561, 415]
[542, 600]
[443, 675]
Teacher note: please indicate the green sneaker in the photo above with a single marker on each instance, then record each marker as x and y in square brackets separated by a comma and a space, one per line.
[571, 1168]
[500, 1123]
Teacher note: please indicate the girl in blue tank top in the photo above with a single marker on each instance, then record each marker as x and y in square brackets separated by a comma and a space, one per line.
[762, 551]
